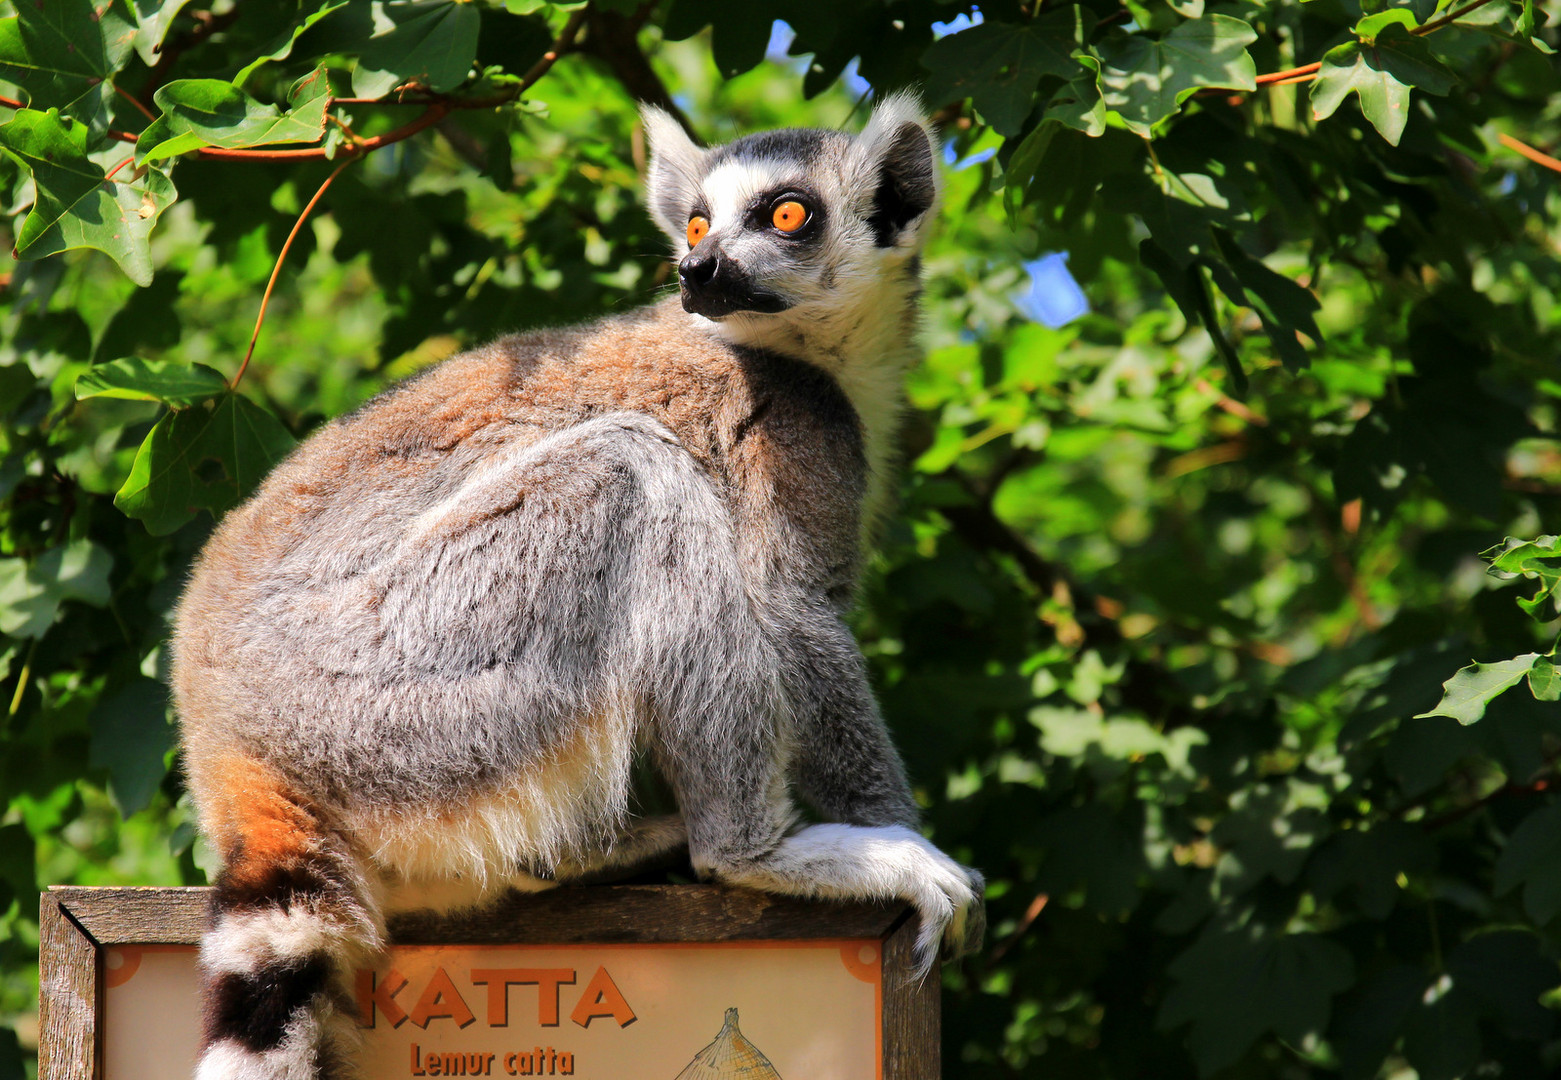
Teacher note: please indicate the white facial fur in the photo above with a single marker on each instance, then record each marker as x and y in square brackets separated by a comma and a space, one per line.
[853, 288]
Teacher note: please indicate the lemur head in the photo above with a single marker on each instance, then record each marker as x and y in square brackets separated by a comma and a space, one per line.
[798, 233]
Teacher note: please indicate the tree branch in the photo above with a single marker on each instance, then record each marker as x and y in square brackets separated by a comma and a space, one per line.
[438, 106]
[613, 39]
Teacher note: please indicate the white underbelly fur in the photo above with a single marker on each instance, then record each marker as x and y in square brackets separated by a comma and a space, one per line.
[564, 811]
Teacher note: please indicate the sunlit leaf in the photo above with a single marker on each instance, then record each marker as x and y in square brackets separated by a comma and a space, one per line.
[282, 47]
[213, 112]
[154, 18]
[1145, 80]
[77, 206]
[1544, 680]
[63, 53]
[151, 380]
[1539, 559]
[998, 65]
[1467, 693]
[1381, 75]
[32, 590]
[432, 42]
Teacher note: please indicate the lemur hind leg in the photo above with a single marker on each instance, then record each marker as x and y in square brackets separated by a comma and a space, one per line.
[644, 844]
[292, 913]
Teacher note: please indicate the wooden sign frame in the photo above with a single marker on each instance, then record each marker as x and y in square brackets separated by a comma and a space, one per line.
[77, 925]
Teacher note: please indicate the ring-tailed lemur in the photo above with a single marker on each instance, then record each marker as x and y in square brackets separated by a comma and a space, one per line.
[414, 669]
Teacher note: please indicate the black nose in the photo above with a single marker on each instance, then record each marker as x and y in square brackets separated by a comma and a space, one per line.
[697, 270]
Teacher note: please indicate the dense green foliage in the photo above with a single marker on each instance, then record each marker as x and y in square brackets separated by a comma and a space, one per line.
[1163, 621]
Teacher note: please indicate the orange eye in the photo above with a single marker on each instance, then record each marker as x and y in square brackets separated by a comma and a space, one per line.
[697, 227]
[790, 216]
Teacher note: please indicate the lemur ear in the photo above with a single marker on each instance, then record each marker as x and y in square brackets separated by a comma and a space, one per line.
[893, 157]
[672, 180]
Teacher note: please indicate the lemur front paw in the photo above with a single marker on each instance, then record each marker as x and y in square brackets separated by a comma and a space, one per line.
[949, 899]
[967, 930]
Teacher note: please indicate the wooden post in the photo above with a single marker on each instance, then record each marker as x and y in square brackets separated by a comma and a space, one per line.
[70, 995]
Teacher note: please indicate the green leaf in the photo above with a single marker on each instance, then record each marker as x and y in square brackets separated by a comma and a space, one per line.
[998, 65]
[1529, 20]
[201, 459]
[1283, 306]
[31, 592]
[432, 42]
[1211, 323]
[1143, 80]
[154, 18]
[1539, 559]
[1371, 1015]
[18, 868]
[1544, 681]
[63, 54]
[1235, 986]
[130, 738]
[76, 205]
[1365, 865]
[1024, 166]
[167, 381]
[1181, 282]
[1532, 859]
[1506, 971]
[281, 47]
[1372, 25]
[1467, 693]
[1442, 1032]
[11, 1061]
[739, 33]
[1380, 74]
[211, 112]
[1079, 104]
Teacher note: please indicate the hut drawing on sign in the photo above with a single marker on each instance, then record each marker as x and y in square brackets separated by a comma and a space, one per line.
[730, 1056]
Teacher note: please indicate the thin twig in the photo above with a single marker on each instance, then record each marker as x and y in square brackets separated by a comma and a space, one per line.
[562, 44]
[1308, 72]
[1459, 813]
[1529, 152]
[1031, 913]
[1231, 405]
[382, 101]
[110, 174]
[1448, 19]
[137, 102]
[277, 269]
[1288, 75]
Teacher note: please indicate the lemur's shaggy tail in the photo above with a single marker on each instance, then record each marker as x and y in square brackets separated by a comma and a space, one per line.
[291, 916]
